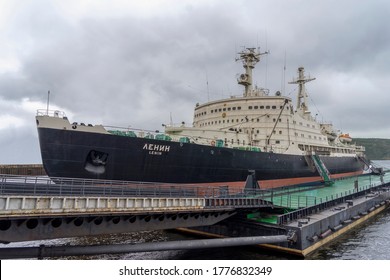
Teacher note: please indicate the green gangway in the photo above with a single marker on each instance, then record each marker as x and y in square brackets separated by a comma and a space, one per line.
[322, 170]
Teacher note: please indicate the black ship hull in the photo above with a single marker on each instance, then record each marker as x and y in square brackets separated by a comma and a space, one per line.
[70, 153]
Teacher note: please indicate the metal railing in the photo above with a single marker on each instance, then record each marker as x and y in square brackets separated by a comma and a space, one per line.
[320, 204]
[44, 186]
[284, 197]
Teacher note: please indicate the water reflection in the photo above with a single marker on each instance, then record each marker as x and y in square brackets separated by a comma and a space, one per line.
[369, 241]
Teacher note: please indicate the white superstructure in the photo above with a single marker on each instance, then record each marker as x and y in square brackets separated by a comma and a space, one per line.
[260, 121]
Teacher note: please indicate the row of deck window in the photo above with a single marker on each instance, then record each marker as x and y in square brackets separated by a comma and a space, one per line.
[256, 107]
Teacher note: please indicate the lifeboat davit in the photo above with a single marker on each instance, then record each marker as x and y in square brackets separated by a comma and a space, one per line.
[345, 138]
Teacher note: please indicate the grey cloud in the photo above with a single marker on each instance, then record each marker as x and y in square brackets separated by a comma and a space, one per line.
[134, 70]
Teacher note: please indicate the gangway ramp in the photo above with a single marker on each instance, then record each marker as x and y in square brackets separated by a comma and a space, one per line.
[322, 170]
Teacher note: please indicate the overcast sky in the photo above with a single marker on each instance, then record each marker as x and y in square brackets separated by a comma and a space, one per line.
[137, 63]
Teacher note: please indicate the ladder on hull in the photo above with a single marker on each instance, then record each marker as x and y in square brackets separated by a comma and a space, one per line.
[322, 170]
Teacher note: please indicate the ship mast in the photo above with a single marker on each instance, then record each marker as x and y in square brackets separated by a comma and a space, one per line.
[249, 58]
[302, 104]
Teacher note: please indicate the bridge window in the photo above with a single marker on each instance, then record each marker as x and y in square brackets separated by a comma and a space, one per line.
[274, 107]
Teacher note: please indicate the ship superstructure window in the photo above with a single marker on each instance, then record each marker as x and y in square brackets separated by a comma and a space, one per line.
[267, 107]
[238, 108]
[261, 107]
[250, 107]
[256, 107]
[234, 108]
[274, 107]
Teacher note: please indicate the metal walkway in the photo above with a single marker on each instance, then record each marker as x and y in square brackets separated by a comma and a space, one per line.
[309, 196]
[35, 208]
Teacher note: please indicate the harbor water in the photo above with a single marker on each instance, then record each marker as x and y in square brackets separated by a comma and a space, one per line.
[367, 242]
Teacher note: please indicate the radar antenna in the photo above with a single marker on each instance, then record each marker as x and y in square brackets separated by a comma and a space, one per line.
[249, 58]
[302, 105]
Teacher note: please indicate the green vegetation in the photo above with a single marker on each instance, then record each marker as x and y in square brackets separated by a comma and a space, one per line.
[376, 149]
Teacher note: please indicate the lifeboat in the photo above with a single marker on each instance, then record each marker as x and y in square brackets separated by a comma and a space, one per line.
[345, 138]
